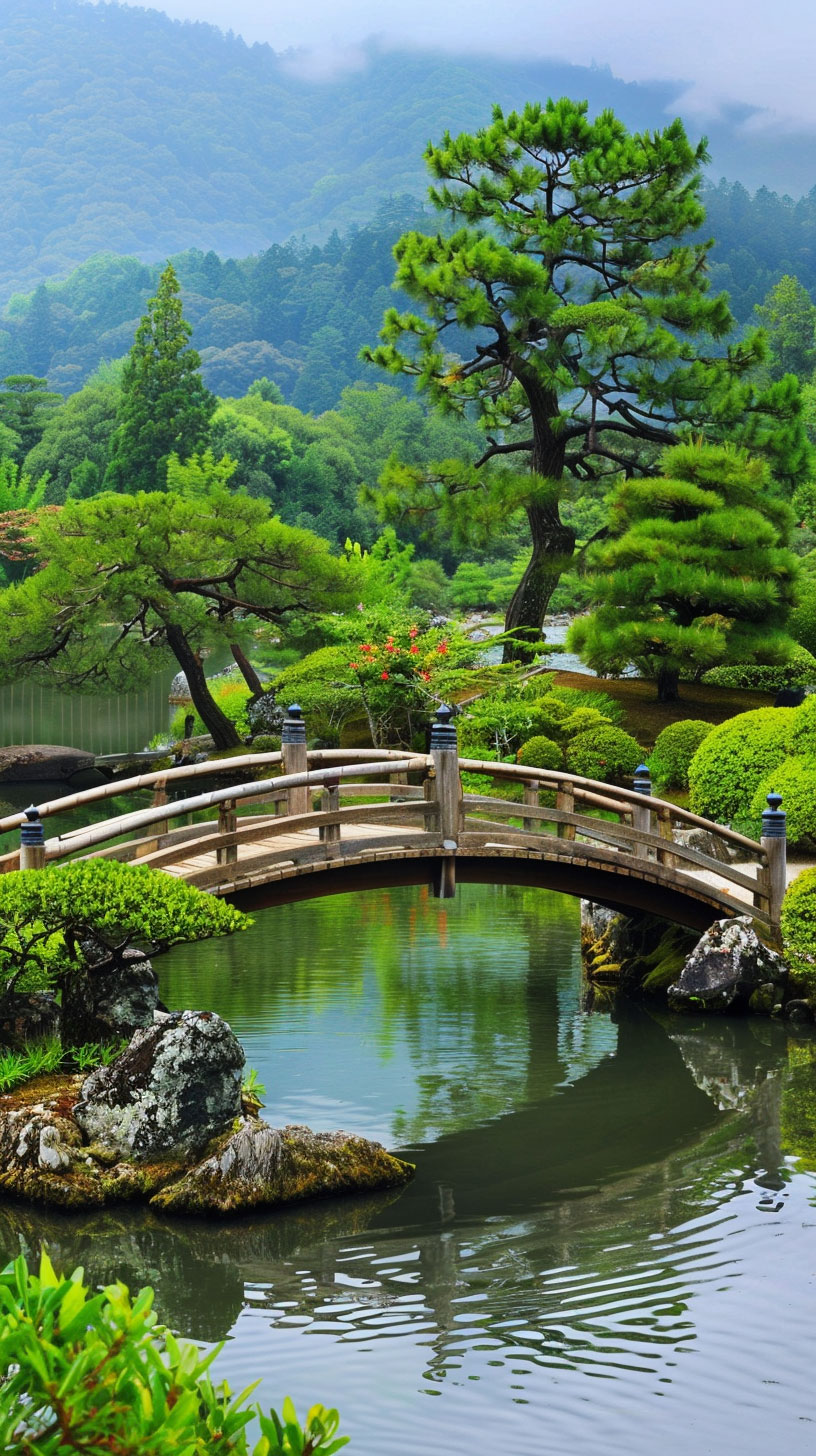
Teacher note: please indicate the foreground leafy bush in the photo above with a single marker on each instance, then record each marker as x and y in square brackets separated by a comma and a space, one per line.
[795, 779]
[44, 914]
[798, 671]
[95, 1372]
[799, 925]
[608, 754]
[674, 749]
[733, 759]
[540, 752]
[231, 695]
[803, 732]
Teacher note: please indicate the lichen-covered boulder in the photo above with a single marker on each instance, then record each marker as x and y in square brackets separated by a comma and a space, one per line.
[728, 964]
[705, 841]
[264, 715]
[175, 1087]
[27, 1016]
[256, 1165]
[41, 1153]
[108, 997]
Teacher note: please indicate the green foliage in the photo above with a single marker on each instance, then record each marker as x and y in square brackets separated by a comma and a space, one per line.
[674, 749]
[795, 779]
[607, 754]
[93, 1371]
[164, 408]
[18, 491]
[693, 574]
[44, 914]
[26, 405]
[73, 448]
[799, 925]
[266, 743]
[471, 587]
[540, 752]
[788, 316]
[798, 671]
[231, 697]
[802, 620]
[18, 1067]
[574, 698]
[802, 740]
[733, 759]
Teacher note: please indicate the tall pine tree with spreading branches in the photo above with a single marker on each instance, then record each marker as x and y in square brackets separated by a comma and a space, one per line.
[165, 407]
[694, 573]
[568, 315]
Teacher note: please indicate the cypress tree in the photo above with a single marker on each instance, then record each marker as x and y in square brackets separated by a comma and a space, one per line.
[164, 408]
[694, 572]
[569, 316]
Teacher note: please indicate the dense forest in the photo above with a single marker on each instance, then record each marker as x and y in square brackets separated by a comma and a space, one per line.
[123, 130]
[298, 313]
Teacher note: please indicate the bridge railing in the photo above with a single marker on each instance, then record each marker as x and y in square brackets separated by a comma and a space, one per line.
[373, 787]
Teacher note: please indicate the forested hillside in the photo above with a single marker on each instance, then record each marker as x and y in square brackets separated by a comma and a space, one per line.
[298, 313]
[125, 131]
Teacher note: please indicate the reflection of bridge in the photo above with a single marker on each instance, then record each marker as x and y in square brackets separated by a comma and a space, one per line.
[392, 817]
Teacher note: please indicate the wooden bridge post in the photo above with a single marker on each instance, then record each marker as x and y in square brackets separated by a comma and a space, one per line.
[641, 813]
[445, 756]
[227, 824]
[295, 759]
[32, 840]
[532, 796]
[330, 803]
[774, 841]
[565, 799]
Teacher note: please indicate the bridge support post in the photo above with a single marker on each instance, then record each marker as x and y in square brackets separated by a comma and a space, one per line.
[32, 841]
[445, 756]
[774, 841]
[294, 758]
[532, 797]
[641, 813]
[227, 824]
[330, 803]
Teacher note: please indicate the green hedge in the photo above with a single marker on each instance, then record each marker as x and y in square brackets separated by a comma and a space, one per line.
[795, 779]
[798, 672]
[540, 752]
[733, 759]
[802, 620]
[799, 925]
[674, 749]
[802, 739]
[607, 754]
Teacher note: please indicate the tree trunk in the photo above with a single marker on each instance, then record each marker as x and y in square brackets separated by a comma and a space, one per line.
[224, 733]
[668, 685]
[553, 542]
[248, 672]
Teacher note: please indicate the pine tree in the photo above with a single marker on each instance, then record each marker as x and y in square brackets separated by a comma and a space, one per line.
[164, 407]
[594, 340]
[694, 573]
[788, 315]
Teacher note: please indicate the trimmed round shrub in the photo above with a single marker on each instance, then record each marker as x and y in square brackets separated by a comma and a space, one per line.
[540, 752]
[608, 754]
[573, 698]
[802, 620]
[733, 758]
[674, 749]
[265, 743]
[802, 740]
[799, 924]
[582, 719]
[795, 780]
[798, 672]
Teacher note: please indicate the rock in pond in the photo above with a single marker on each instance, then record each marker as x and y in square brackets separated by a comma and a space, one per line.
[109, 996]
[258, 1165]
[728, 964]
[176, 1086]
[26, 762]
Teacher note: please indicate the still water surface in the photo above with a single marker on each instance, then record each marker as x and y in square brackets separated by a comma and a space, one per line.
[610, 1242]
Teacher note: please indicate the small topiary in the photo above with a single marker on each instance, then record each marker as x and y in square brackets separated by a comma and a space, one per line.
[799, 925]
[540, 752]
[264, 743]
[608, 754]
[798, 672]
[582, 719]
[674, 749]
[795, 780]
[733, 759]
[802, 740]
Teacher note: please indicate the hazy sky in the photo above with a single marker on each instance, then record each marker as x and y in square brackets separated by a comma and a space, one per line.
[743, 51]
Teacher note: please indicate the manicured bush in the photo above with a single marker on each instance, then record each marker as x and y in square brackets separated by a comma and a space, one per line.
[674, 749]
[93, 1371]
[802, 620]
[798, 671]
[45, 914]
[587, 698]
[799, 925]
[582, 719]
[795, 779]
[802, 740]
[540, 752]
[733, 759]
[231, 695]
[608, 754]
[264, 743]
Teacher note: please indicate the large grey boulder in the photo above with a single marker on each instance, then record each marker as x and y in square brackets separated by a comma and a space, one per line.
[29, 762]
[27, 1016]
[728, 964]
[109, 996]
[705, 841]
[175, 1087]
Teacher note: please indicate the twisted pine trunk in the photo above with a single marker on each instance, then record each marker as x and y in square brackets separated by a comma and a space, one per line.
[224, 733]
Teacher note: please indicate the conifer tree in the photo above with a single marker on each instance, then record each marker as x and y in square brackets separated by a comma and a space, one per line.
[694, 573]
[164, 407]
[568, 315]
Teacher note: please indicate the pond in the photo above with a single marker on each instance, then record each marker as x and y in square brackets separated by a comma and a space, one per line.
[610, 1242]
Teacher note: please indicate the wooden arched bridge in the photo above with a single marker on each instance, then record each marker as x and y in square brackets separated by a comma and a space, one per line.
[329, 820]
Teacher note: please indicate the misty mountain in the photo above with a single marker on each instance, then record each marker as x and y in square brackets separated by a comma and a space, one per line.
[123, 131]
